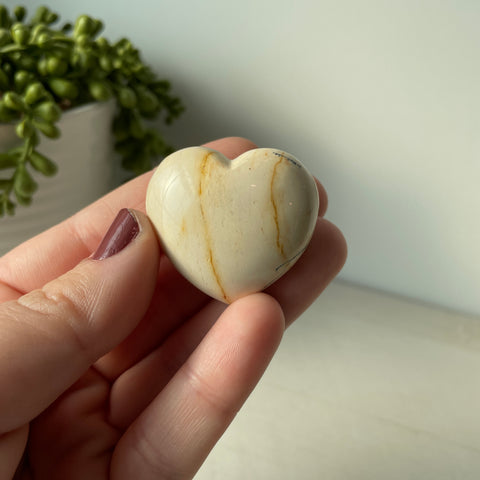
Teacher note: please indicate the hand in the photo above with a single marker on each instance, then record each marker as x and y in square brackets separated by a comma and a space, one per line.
[118, 367]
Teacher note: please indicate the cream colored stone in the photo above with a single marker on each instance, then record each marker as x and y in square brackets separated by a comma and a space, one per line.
[232, 227]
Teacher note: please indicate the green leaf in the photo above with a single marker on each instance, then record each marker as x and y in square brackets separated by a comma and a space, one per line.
[19, 12]
[42, 66]
[5, 20]
[24, 129]
[105, 63]
[34, 92]
[7, 160]
[126, 147]
[12, 48]
[23, 183]
[48, 129]
[136, 127]
[48, 111]
[63, 88]
[40, 14]
[66, 28]
[84, 25]
[27, 62]
[43, 164]
[127, 97]
[13, 101]
[51, 18]
[9, 207]
[22, 78]
[20, 33]
[5, 37]
[6, 115]
[147, 101]
[99, 90]
[121, 125]
[56, 66]
[24, 200]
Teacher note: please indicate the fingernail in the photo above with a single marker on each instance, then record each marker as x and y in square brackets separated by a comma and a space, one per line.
[121, 232]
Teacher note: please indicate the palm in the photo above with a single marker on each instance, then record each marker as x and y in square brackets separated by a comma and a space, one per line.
[77, 435]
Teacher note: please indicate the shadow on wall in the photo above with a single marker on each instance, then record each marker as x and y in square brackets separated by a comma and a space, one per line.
[207, 118]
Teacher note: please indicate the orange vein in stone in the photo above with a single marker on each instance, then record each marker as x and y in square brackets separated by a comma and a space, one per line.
[275, 211]
[211, 260]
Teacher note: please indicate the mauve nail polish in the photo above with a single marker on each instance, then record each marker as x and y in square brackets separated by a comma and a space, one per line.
[121, 232]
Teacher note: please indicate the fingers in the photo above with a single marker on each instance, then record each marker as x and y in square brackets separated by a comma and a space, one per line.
[133, 390]
[316, 268]
[29, 266]
[174, 434]
[136, 387]
[51, 336]
[12, 445]
[322, 199]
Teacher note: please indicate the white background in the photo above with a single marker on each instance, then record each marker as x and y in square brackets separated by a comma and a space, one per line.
[380, 99]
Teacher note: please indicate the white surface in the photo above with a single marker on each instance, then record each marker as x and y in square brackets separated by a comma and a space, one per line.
[380, 99]
[364, 387]
[232, 227]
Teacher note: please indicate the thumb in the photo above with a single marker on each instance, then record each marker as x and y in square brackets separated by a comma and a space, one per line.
[50, 337]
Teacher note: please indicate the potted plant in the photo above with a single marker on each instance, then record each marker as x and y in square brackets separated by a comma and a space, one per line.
[47, 71]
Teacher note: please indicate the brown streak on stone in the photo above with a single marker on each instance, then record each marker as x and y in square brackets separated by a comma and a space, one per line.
[204, 173]
[275, 211]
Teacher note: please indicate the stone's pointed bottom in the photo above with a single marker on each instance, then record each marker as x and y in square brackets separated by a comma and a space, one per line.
[232, 227]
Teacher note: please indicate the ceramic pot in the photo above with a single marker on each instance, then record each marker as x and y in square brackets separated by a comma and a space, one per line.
[84, 155]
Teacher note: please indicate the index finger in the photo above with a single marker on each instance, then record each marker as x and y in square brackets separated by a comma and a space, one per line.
[57, 250]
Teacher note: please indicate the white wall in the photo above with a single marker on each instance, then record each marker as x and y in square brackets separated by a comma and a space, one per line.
[379, 98]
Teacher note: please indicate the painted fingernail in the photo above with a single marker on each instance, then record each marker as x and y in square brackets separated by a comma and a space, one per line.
[121, 232]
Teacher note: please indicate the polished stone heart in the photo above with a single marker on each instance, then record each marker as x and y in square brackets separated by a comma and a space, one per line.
[232, 227]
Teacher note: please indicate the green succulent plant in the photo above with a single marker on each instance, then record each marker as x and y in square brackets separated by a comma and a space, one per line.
[46, 69]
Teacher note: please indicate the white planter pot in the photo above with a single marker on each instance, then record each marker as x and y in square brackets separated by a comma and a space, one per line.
[84, 155]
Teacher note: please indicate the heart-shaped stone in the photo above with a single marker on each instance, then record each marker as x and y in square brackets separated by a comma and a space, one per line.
[232, 227]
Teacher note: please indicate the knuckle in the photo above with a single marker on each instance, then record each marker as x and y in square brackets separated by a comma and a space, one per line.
[154, 458]
[59, 314]
[212, 397]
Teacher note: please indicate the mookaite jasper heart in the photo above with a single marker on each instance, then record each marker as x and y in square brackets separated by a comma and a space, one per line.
[232, 227]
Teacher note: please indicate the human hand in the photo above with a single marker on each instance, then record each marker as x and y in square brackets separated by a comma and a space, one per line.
[118, 367]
